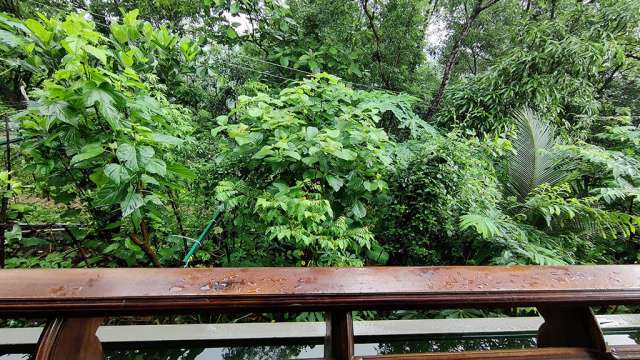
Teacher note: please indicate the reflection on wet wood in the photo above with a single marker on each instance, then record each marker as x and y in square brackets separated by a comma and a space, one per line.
[535, 354]
[562, 293]
[102, 291]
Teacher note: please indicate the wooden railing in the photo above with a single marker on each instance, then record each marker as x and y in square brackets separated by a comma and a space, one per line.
[77, 300]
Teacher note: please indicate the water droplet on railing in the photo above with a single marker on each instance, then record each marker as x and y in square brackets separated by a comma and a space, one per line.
[219, 285]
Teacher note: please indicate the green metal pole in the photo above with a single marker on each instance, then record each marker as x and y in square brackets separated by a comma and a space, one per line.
[196, 245]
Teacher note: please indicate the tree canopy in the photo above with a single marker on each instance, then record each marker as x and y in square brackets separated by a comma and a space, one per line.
[320, 133]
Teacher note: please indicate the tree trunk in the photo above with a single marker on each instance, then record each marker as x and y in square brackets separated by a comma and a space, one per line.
[4, 208]
[11, 7]
[146, 247]
[453, 55]
[376, 37]
[173, 199]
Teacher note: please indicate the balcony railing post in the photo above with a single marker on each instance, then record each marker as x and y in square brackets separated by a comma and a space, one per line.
[70, 339]
[338, 343]
[570, 326]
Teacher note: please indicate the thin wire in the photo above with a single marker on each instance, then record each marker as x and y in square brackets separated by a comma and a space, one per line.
[83, 10]
[245, 66]
[258, 71]
[370, 87]
[276, 64]
[219, 62]
[310, 73]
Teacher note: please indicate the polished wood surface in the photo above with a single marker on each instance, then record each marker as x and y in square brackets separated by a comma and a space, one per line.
[625, 352]
[529, 354]
[70, 339]
[120, 291]
[574, 326]
[75, 298]
[339, 342]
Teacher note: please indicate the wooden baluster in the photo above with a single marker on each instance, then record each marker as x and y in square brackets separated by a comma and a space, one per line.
[570, 326]
[70, 339]
[338, 342]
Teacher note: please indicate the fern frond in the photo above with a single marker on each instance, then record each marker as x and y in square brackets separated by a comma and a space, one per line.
[534, 161]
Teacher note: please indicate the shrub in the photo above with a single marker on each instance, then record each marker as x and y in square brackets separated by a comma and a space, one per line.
[443, 178]
[308, 165]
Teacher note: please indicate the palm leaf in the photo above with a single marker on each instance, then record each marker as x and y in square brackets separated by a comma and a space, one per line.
[534, 161]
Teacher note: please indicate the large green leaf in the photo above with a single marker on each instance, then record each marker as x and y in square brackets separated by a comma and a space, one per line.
[484, 225]
[87, 152]
[359, 210]
[10, 40]
[181, 171]
[263, 152]
[126, 153]
[335, 182]
[105, 104]
[39, 31]
[166, 139]
[131, 202]
[58, 110]
[148, 180]
[108, 194]
[100, 54]
[346, 154]
[145, 154]
[378, 254]
[116, 172]
[120, 33]
[156, 166]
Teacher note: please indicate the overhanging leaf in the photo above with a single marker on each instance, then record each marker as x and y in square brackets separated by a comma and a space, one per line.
[156, 166]
[346, 154]
[87, 152]
[359, 210]
[166, 139]
[126, 153]
[100, 54]
[131, 202]
[39, 31]
[116, 172]
[181, 171]
[149, 180]
[105, 104]
[145, 154]
[334, 182]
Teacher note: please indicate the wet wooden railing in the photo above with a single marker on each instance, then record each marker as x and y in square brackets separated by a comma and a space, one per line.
[76, 301]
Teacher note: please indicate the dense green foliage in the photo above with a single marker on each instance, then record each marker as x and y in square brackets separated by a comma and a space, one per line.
[558, 66]
[307, 165]
[440, 182]
[327, 133]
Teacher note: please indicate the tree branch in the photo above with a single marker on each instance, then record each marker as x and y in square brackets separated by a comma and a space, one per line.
[146, 247]
[377, 54]
[479, 7]
[608, 78]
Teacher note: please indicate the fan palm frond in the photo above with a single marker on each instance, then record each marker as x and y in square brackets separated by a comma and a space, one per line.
[534, 161]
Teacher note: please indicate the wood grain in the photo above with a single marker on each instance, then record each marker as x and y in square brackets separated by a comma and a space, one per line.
[37, 292]
[70, 339]
[339, 342]
[532, 354]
